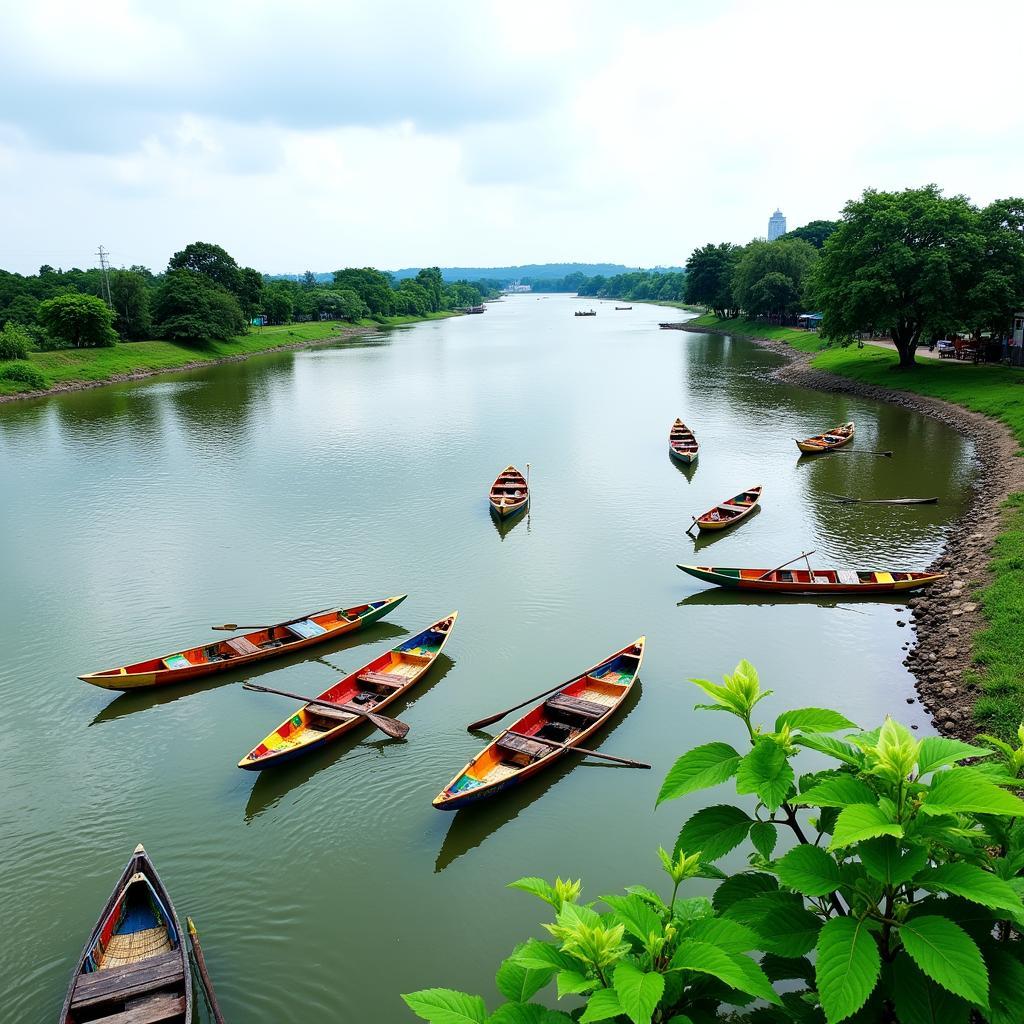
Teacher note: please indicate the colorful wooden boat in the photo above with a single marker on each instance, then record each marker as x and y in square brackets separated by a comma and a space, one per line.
[682, 445]
[577, 710]
[259, 645]
[370, 688]
[731, 511]
[834, 438]
[510, 493]
[813, 581]
[134, 968]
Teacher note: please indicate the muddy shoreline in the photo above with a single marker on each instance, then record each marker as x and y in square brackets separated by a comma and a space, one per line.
[947, 614]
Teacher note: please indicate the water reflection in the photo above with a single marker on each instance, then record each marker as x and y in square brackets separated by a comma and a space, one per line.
[706, 538]
[686, 469]
[505, 526]
[720, 597]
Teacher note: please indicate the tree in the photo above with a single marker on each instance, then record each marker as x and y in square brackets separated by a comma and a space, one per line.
[372, 286]
[413, 299]
[249, 292]
[15, 341]
[130, 296]
[80, 321]
[190, 307]
[709, 272]
[905, 262]
[23, 309]
[309, 280]
[278, 302]
[1000, 287]
[211, 261]
[816, 232]
[432, 283]
[769, 277]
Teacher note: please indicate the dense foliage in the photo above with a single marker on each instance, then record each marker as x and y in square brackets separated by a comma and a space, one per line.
[816, 232]
[709, 274]
[896, 866]
[15, 341]
[23, 373]
[636, 285]
[78, 321]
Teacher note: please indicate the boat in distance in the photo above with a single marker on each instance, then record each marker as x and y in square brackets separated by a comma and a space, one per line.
[258, 645]
[370, 688]
[731, 511]
[134, 968]
[510, 493]
[585, 312]
[682, 445]
[813, 581]
[834, 438]
[540, 737]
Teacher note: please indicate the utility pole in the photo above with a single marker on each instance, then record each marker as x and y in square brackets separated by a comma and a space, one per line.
[103, 254]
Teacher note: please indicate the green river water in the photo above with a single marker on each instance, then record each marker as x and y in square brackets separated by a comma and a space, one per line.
[134, 516]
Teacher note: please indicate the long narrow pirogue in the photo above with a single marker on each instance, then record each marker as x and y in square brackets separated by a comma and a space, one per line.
[682, 445]
[269, 642]
[834, 438]
[134, 967]
[584, 704]
[731, 511]
[813, 581]
[370, 688]
[510, 493]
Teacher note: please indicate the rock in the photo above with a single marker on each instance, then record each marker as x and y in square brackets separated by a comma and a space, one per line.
[950, 652]
[953, 630]
[931, 657]
[968, 607]
[900, 622]
[910, 700]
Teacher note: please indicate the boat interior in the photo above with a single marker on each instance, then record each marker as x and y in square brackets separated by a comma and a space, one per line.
[733, 507]
[820, 577]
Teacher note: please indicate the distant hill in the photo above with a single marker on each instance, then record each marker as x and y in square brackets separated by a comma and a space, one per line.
[534, 271]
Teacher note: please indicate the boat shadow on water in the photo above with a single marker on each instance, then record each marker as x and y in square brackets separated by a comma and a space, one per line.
[719, 597]
[506, 525]
[706, 538]
[273, 784]
[472, 825]
[686, 469]
[150, 697]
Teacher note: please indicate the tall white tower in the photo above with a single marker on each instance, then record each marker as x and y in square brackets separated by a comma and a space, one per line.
[776, 225]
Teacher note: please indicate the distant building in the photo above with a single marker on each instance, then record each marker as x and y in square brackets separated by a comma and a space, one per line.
[776, 225]
[516, 286]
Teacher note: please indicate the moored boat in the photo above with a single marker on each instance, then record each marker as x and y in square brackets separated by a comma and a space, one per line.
[585, 312]
[541, 737]
[813, 581]
[682, 445]
[834, 438]
[258, 645]
[510, 492]
[370, 688]
[731, 511]
[134, 968]
[621, 308]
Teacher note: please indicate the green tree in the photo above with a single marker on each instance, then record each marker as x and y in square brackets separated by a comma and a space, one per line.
[190, 307]
[430, 280]
[249, 292]
[770, 276]
[211, 261]
[817, 232]
[22, 309]
[15, 341]
[79, 321]
[372, 286]
[309, 280]
[999, 290]
[413, 299]
[129, 293]
[278, 302]
[709, 274]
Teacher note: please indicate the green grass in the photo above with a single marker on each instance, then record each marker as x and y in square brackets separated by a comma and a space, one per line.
[996, 392]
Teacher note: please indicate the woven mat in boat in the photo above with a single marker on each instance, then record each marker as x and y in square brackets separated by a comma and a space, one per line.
[132, 947]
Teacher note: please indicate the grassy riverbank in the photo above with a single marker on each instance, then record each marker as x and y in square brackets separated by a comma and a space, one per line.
[996, 392]
[68, 367]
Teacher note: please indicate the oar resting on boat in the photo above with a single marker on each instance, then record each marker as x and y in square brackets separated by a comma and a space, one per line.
[846, 500]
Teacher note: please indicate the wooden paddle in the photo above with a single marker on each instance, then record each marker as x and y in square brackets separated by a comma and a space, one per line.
[581, 750]
[391, 726]
[692, 525]
[845, 500]
[232, 626]
[484, 722]
[200, 962]
[803, 554]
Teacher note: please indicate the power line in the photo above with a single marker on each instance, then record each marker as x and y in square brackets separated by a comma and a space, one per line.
[103, 254]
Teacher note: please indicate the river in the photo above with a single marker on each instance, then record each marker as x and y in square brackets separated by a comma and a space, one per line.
[134, 516]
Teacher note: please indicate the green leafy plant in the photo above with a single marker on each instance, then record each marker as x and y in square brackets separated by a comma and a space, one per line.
[23, 373]
[884, 885]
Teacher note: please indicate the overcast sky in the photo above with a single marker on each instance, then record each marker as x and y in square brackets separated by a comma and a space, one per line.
[324, 133]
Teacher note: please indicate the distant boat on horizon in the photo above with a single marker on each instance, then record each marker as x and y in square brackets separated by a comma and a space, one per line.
[584, 312]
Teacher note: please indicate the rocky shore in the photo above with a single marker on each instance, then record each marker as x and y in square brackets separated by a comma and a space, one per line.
[948, 614]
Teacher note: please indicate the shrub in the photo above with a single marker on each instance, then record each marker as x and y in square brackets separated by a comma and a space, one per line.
[80, 321]
[15, 341]
[900, 868]
[23, 373]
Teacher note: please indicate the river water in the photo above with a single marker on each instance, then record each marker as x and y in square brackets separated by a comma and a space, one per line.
[134, 516]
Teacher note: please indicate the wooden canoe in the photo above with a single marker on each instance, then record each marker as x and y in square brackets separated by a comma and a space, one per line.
[817, 581]
[682, 445]
[581, 707]
[259, 645]
[834, 438]
[731, 511]
[510, 493]
[135, 965]
[370, 688]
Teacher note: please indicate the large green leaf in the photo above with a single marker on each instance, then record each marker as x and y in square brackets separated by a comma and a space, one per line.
[1006, 997]
[767, 772]
[962, 790]
[523, 1013]
[646, 894]
[573, 983]
[446, 1006]
[840, 750]
[536, 887]
[972, 883]
[602, 1004]
[705, 958]
[809, 870]
[538, 955]
[785, 968]
[638, 992]
[764, 835]
[937, 752]
[848, 966]
[704, 766]
[814, 720]
[919, 1000]
[840, 791]
[785, 927]
[636, 915]
[742, 886]
[726, 934]
[862, 821]
[948, 955]
[887, 862]
[714, 831]
[518, 983]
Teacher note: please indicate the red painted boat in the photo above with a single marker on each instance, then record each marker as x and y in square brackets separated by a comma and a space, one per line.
[813, 581]
[731, 511]
[834, 438]
[682, 444]
[510, 493]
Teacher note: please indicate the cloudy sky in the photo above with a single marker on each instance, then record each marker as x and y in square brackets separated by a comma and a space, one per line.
[323, 133]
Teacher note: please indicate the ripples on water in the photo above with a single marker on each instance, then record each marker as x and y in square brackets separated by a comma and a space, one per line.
[135, 516]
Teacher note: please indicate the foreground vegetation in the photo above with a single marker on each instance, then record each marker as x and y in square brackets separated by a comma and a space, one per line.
[900, 869]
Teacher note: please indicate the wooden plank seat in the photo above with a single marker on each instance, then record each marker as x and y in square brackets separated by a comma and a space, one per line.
[156, 1010]
[726, 506]
[127, 981]
[522, 745]
[385, 679]
[335, 713]
[240, 645]
[576, 706]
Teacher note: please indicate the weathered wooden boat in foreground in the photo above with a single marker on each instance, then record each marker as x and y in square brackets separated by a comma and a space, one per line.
[682, 445]
[578, 709]
[731, 511]
[134, 968]
[510, 493]
[813, 581]
[259, 645]
[370, 688]
[834, 438]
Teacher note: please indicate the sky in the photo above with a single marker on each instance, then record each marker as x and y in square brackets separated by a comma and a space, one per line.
[317, 134]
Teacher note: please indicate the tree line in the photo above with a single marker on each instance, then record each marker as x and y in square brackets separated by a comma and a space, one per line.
[204, 294]
[637, 285]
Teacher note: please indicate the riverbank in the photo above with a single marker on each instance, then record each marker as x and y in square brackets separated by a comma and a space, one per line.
[969, 655]
[79, 369]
